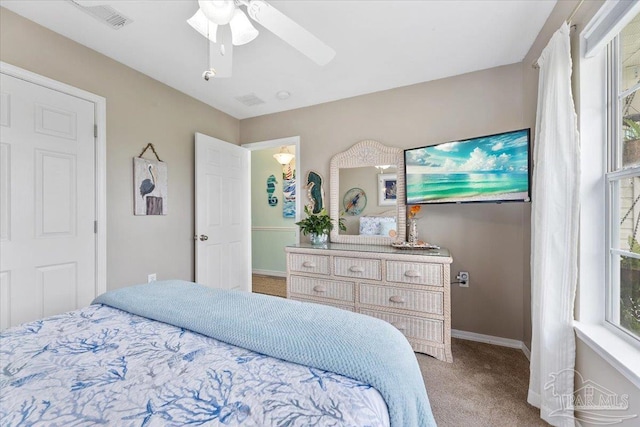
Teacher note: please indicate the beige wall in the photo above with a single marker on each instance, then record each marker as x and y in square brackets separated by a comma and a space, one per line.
[594, 368]
[588, 363]
[486, 239]
[139, 110]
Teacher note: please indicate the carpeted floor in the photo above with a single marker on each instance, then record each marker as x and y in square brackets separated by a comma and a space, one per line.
[486, 385]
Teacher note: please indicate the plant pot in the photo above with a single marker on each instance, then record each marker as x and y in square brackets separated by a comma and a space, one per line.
[318, 239]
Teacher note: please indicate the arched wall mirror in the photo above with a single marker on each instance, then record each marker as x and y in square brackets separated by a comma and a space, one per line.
[367, 191]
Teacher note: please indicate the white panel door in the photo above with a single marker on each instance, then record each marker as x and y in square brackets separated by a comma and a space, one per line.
[223, 214]
[47, 202]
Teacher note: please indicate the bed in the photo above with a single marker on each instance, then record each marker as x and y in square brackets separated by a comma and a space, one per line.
[177, 353]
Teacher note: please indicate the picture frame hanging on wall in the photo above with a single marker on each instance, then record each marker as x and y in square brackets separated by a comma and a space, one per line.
[315, 192]
[288, 191]
[149, 186]
[387, 186]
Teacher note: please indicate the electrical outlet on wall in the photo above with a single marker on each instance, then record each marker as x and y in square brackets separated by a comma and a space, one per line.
[463, 279]
[151, 278]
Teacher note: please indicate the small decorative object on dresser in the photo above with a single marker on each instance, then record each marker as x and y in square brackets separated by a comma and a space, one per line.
[317, 226]
[408, 288]
[412, 224]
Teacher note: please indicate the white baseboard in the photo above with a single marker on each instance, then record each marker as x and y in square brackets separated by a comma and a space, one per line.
[526, 351]
[270, 273]
[489, 339]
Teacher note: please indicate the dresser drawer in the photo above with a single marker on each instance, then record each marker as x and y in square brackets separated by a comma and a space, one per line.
[406, 299]
[325, 302]
[332, 289]
[361, 268]
[416, 273]
[412, 327]
[318, 264]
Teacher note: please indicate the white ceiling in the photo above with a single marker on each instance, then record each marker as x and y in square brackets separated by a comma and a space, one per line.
[380, 45]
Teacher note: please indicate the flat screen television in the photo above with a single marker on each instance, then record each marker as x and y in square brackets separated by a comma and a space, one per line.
[492, 168]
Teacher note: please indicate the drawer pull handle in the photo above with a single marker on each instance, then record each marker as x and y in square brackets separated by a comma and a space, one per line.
[309, 264]
[356, 269]
[319, 288]
[398, 299]
[412, 273]
[400, 326]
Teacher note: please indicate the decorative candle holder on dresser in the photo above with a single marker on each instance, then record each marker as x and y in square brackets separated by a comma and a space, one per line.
[409, 288]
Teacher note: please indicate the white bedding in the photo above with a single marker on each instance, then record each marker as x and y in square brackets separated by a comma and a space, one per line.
[100, 365]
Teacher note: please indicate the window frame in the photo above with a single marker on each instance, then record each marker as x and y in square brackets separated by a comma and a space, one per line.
[620, 349]
[614, 174]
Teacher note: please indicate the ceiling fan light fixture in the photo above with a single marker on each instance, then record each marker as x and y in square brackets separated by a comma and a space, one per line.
[242, 32]
[284, 157]
[201, 24]
[219, 12]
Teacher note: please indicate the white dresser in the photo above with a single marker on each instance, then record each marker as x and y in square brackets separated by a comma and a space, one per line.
[408, 288]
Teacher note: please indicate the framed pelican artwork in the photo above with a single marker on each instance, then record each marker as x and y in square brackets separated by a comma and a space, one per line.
[149, 187]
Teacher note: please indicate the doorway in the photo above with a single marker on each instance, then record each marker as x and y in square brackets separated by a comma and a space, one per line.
[273, 212]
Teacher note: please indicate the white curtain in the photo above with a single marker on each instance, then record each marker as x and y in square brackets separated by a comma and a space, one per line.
[554, 230]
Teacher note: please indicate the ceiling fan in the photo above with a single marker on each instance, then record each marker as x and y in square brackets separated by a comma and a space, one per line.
[221, 20]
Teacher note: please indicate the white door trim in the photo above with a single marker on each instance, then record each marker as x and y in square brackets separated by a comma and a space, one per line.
[100, 113]
[290, 140]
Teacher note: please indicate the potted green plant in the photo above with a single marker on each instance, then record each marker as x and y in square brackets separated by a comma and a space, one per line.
[318, 226]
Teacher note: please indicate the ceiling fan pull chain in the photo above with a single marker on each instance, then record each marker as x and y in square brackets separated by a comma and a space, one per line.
[209, 45]
[222, 43]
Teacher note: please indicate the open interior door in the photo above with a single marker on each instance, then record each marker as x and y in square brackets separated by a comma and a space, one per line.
[223, 214]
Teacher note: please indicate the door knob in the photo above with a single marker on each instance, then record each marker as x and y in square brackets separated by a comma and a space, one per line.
[204, 237]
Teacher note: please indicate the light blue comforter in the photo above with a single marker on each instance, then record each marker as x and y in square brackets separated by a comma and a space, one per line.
[357, 346]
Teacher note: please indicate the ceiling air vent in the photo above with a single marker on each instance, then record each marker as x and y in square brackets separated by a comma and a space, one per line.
[250, 100]
[104, 13]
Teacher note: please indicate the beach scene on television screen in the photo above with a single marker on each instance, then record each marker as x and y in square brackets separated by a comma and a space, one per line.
[492, 168]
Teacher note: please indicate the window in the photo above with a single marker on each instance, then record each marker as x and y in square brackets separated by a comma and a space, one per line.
[623, 182]
[606, 78]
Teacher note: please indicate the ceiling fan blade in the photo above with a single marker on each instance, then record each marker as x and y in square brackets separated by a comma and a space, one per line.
[291, 32]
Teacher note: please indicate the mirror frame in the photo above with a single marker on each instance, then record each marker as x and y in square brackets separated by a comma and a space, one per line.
[367, 153]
